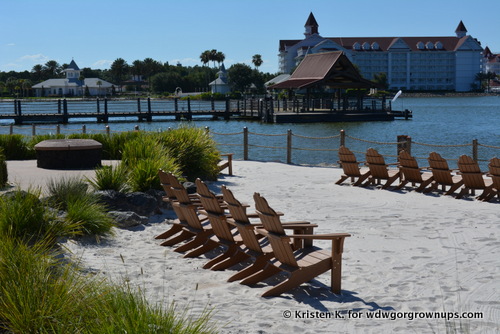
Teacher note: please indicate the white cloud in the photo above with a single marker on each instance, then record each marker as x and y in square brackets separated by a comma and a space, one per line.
[102, 64]
[38, 58]
[11, 44]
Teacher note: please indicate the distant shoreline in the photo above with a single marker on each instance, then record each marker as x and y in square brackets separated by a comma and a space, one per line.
[448, 94]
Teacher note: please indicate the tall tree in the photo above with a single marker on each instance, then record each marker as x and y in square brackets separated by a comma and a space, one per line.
[240, 77]
[52, 69]
[220, 57]
[257, 60]
[119, 70]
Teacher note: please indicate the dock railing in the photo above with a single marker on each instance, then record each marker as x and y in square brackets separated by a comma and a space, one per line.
[293, 148]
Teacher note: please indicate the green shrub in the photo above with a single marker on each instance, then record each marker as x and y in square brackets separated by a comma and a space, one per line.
[41, 294]
[111, 178]
[143, 157]
[112, 145]
[83, 210]
[24, 217]
[89, 215]
[16, 147]
[195, 151]
[65, 189]
[4, 175]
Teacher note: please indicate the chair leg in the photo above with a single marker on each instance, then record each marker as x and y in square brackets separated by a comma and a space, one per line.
[292, 282]
[342, 179]
[259, 263]
[424, 185]
[454, 187]
[198, 240]
[176, 228]
[181, 237]
[390, 181]
[361, 179]
[232, 261]
[401, 184]
[206, 247]
[231, 250]
[261, 275]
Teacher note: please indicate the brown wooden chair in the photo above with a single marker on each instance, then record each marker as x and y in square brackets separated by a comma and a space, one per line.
[226, 235]
[351, 168]
[473, 178]
[379, 170]
[253, 244]
[169, 182]
[411, 172]
[443, 175]
[301, 265]
[494, 174]
[196, 230]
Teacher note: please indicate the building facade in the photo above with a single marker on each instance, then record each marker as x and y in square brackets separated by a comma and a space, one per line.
[410, 63]
[73, 85]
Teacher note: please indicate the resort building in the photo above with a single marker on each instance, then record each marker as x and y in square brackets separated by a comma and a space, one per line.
[491, 62]
[410, 63]
[73, 85]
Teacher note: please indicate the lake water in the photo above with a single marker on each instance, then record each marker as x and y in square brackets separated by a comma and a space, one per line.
[437, 123]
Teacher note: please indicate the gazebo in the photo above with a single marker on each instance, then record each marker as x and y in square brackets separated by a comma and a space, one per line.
[326, 70]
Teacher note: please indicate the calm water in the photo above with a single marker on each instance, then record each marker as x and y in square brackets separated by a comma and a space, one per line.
[436, 121]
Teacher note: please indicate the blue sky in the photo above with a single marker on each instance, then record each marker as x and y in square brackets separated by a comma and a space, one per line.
[96, 32]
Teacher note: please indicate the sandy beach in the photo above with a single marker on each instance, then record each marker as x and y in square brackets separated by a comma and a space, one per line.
[410, 255]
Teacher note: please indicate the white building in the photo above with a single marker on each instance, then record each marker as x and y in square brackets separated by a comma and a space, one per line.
[72, 85]
[410, 63]
[491, 62]
[220, 84]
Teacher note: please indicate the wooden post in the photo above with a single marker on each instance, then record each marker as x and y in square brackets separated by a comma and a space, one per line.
[404, 144]
[212, 103]
[84, 129]
[139, 105]
[33, 130]
[98, 106]
[65, 111]
[58, 129]
[189, 115]
[176, 104]
[245, 143]
[342, 138]
[207, 130]
[289, 146]
[11, 129]
[59, 110]
[474, 150]
[15, 107]
[108, 130]
[105, 110]
[136, 128]
[228, 107]
[149, 118]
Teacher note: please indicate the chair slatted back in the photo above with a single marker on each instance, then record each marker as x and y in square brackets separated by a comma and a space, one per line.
[377, 165]
[277, 237]
[348, 161]
[215, 212]
[440, 170]
[471, 173]
[165, 183]
[188, 210]
[240, 219]
[494, 169]
[409, 167]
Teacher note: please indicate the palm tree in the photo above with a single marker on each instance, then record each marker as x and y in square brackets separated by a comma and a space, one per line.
[219, 57]
[205, 59]
[37, 72]
[52, 68]
[257, 60]
[119, 70]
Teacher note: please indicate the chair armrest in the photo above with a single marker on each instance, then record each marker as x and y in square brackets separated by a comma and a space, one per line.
[329, 236]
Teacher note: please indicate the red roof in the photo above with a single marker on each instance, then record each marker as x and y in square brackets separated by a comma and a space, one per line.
[329, 68]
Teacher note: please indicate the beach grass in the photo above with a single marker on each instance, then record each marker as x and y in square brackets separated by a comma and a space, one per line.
[42, 293]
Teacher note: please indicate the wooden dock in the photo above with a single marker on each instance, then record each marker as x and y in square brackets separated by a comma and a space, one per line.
[62, 111]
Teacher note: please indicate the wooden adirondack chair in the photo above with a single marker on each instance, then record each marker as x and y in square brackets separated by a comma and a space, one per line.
[494, 174]
[410, 172]
[379, 170]
[351, 168]
[194, 227]
[302, 265]
[168, 180]
[443, 175]
[473, 178]
[227, 235]
[253, 244]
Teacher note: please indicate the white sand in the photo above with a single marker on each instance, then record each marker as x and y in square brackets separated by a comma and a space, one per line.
[409, 252]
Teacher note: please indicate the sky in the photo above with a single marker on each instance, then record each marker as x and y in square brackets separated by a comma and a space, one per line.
[94, 33]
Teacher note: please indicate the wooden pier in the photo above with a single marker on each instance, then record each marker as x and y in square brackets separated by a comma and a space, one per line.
[62, 111]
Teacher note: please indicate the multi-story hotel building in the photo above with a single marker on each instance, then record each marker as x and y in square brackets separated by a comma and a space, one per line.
[410, 63]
